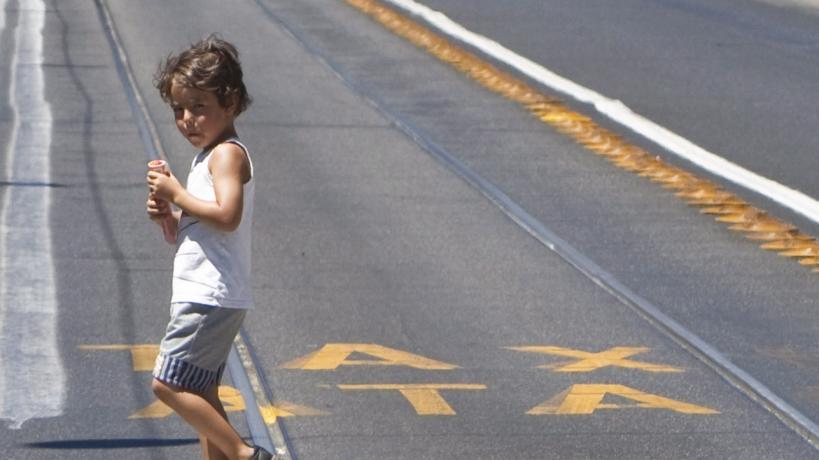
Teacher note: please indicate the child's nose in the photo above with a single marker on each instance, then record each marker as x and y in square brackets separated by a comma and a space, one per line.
[187, 116]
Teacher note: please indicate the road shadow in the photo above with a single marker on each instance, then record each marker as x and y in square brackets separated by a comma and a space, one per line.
[122, 443]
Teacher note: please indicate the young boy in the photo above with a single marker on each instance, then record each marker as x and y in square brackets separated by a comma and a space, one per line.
[211, 275]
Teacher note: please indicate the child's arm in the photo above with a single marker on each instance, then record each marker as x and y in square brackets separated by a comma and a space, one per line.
[159, 209]
[230, 169]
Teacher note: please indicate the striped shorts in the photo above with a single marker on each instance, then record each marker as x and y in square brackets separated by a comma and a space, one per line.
[196, 345]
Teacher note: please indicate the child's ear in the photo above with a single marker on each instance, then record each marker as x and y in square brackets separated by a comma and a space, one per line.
[233, 104]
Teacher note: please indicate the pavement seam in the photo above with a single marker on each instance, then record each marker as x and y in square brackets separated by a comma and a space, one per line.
[145, 124]
[257, 398]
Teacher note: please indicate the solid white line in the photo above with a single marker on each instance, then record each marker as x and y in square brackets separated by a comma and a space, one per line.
[810, 6]
[32, 379]
[3, 4]
[617, 111]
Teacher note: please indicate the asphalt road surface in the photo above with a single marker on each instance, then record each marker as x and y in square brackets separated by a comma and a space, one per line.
[439, 274]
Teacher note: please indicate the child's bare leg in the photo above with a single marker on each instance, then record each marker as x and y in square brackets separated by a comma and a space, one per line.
[205, 419]
[209, 450]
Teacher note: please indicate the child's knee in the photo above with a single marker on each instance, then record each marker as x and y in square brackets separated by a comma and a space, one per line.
[162, 390]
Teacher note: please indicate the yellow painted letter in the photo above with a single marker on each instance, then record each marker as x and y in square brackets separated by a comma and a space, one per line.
[333, 355]
[585, 399]
[589, 361]
[425, 398]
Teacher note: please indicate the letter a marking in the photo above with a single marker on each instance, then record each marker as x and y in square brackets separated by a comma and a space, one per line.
[582, 399]
[333, 355]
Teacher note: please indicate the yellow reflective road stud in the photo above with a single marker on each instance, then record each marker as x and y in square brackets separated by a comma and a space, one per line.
[582, 399]
[590, 361]
[333, 355]
[425, 398]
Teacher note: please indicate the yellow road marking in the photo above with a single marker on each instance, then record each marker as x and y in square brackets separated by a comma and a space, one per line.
[156, 409]
[143, 357]
[425, 398]
[582, 399]
[288, 409]
[754, 223]
[231, 399]
[333, 355]
[589, 361]
[233, 402]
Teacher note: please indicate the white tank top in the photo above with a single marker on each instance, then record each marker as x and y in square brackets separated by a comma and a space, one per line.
[212, 267]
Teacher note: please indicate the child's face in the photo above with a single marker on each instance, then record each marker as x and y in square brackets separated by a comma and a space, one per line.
[200, 117]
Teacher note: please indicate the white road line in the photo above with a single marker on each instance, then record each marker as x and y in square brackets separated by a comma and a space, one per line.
[617, 111]
[32, 379]
[3, 4]
[810, 6]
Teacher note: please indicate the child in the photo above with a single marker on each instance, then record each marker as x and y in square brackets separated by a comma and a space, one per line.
[211, 275]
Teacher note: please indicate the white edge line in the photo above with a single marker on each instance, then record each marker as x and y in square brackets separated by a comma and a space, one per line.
[28, 302]
[620, 113]
[3, 205]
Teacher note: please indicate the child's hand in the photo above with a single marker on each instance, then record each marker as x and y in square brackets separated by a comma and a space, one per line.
[163, 186]
[157, 209]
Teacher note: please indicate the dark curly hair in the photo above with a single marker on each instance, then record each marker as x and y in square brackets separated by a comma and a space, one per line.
[210, 65]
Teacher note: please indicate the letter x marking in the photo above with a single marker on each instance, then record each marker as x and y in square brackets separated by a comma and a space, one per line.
[589, 361]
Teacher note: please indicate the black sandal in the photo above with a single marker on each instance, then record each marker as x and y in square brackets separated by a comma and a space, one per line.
[262, 454]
